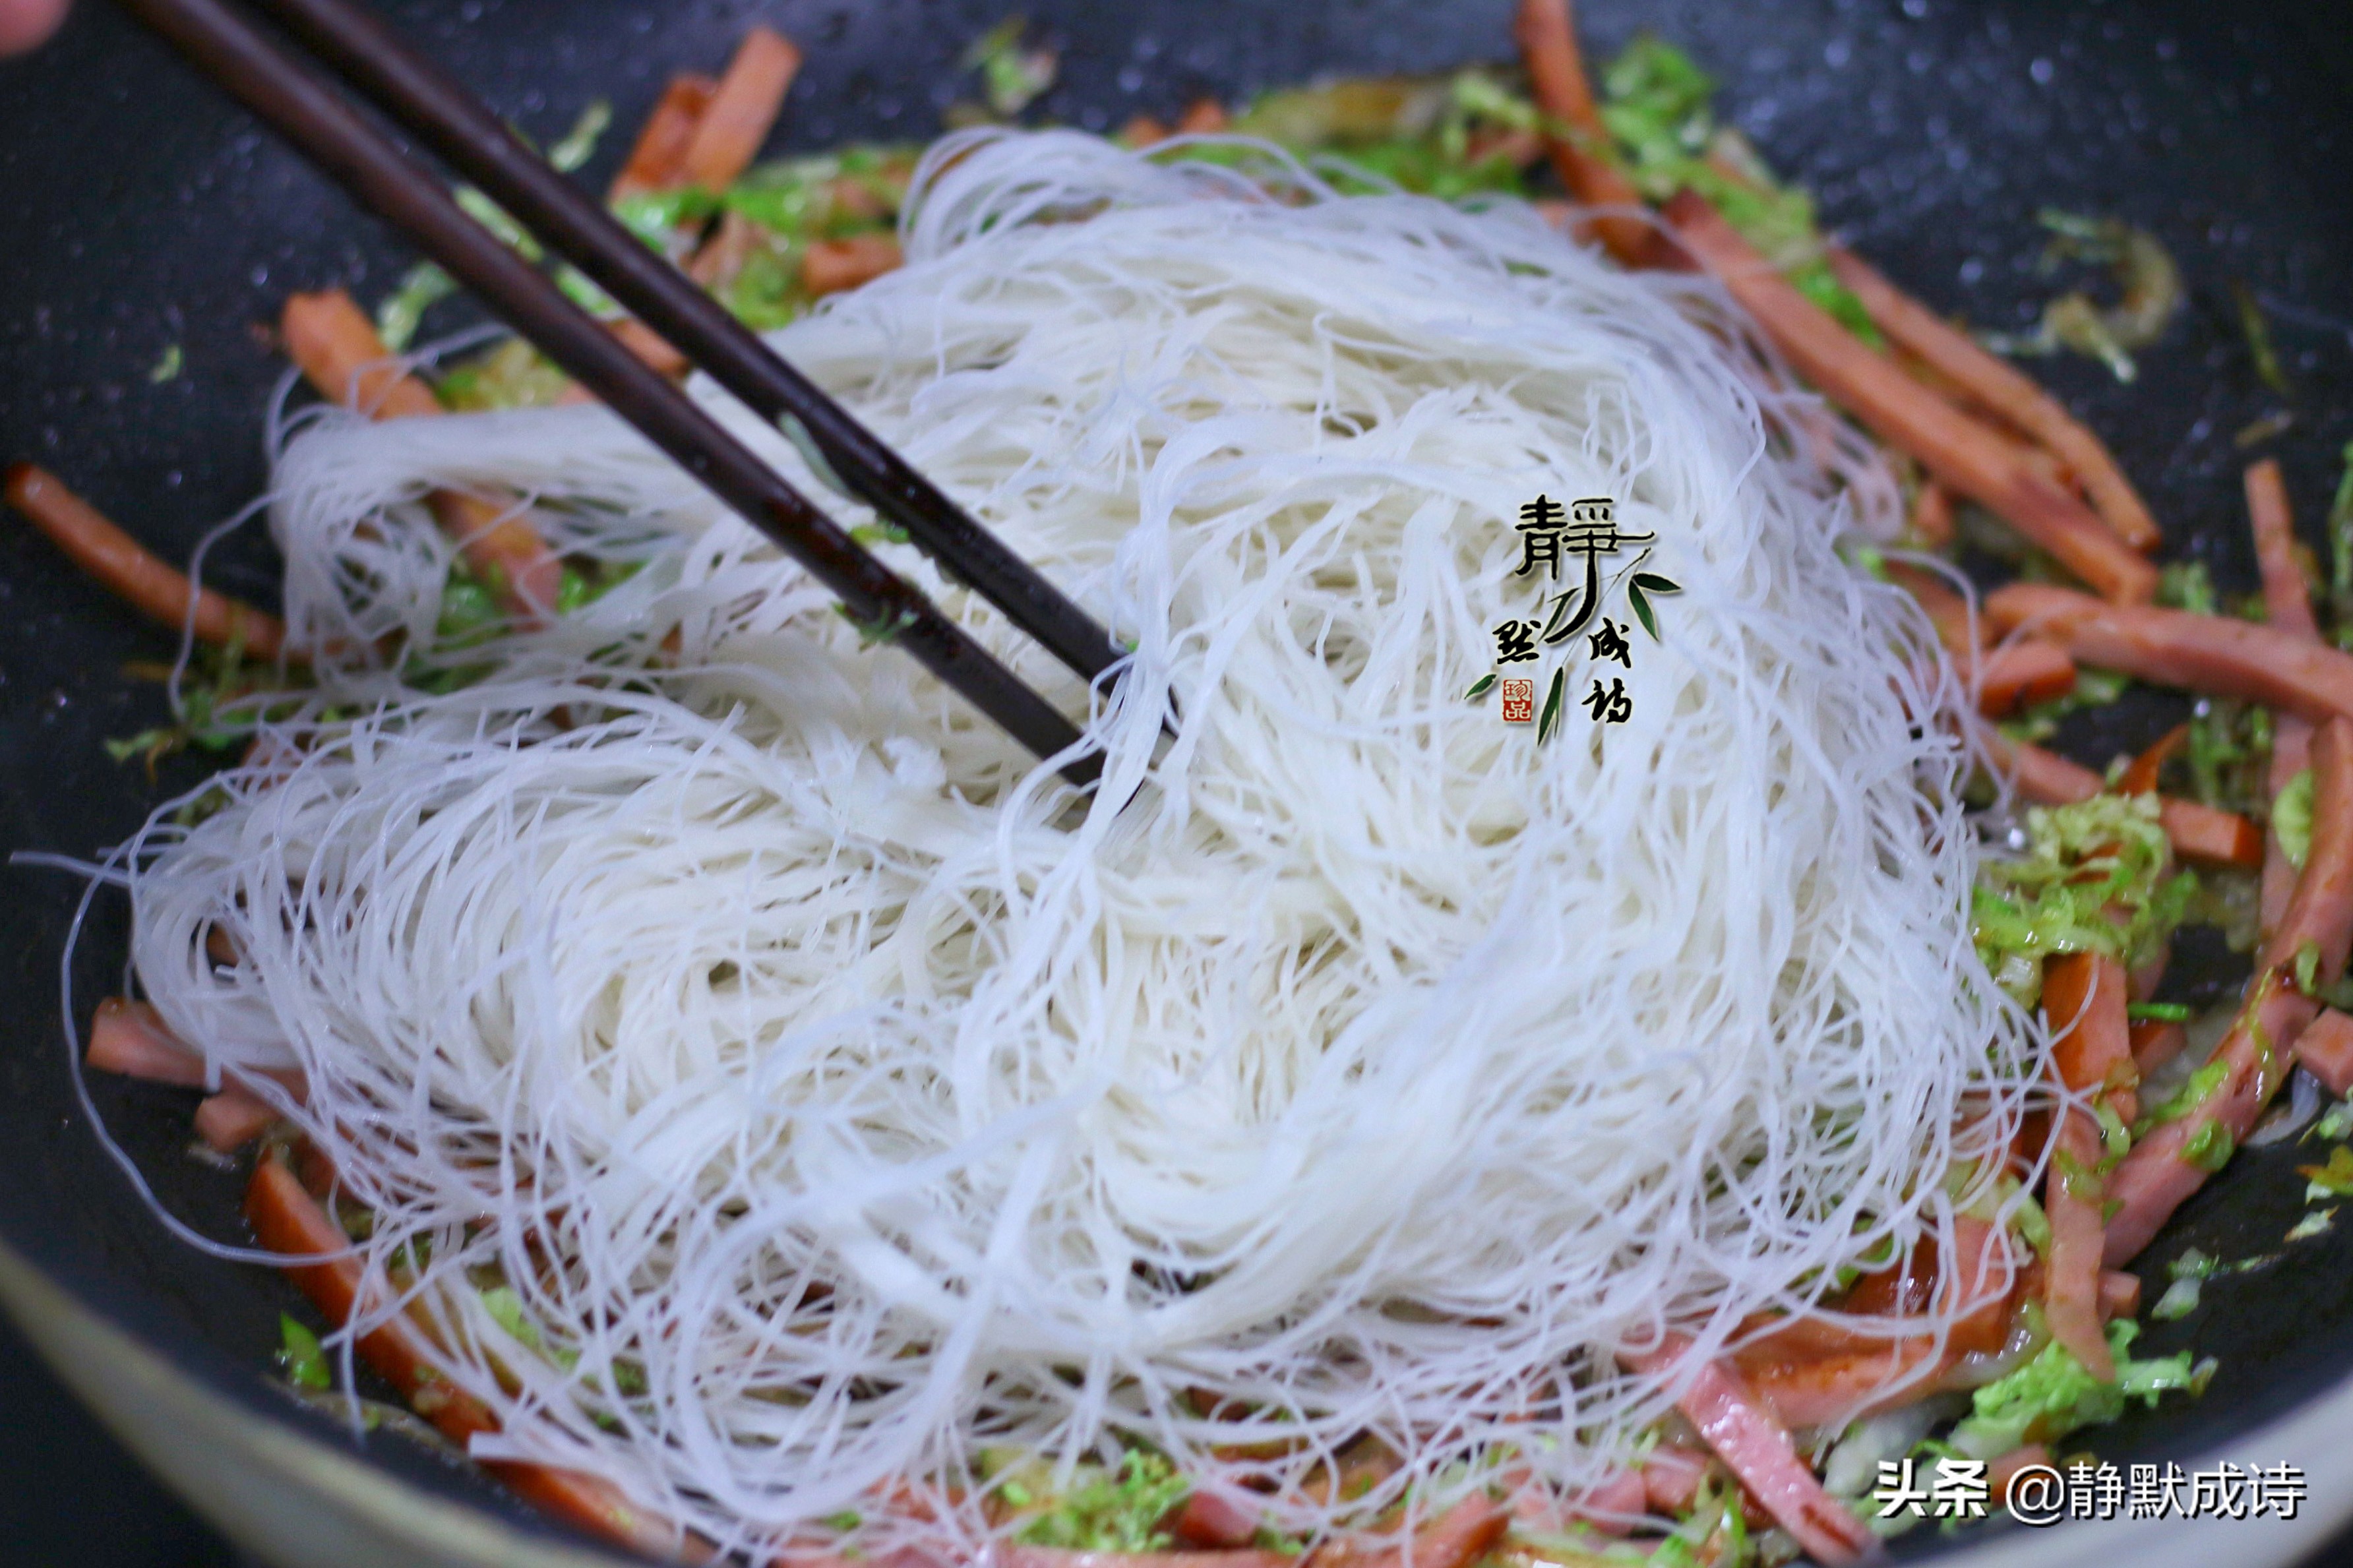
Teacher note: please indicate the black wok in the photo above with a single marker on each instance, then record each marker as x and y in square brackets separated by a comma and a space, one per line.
[138, 212]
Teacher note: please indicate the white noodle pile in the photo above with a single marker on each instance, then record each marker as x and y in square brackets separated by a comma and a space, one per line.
[840, 1100]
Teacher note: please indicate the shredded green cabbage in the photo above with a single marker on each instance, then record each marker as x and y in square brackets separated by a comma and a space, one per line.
[1012, 77]
[579, 143]
[2292, 818]
[2109, 852]
[403, 311]
[2054, 1394]
[2186, 585]
[1656, 104]
[298, 1353]
[2333, 1180]
[1103, 1509]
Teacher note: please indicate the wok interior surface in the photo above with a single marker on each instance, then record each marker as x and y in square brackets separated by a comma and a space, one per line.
[140, 212]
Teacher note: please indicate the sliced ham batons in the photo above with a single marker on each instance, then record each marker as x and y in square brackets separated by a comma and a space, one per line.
[2001, 387]
[1757, 1449]
[2174, 1159]
[1547, 32]
[2325, 1051]
[336, 346]
[2202, 834]
[1968, 457]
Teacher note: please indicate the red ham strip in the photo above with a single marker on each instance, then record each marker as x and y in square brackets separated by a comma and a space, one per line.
[1209, 1519]
[1756, 1447]
[1966, 455]
[2325, 1049]
[130, 1037]
[2198, 832]
[2156, 1042]
[1455, 1539]
[1814, 1372]
[2214, 653]
[286, 1218]
[2154, 1179]
[2287, 605]
[230, 1119]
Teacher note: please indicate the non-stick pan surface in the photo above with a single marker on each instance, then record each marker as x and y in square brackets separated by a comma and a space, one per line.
[138, 213]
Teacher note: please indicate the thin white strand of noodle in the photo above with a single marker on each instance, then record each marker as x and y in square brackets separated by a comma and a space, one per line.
[802, 1054]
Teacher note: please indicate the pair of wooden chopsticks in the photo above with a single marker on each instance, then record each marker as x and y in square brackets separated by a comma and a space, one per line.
[267, 74]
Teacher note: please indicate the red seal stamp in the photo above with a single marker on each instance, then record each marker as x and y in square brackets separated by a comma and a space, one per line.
[1519, 702]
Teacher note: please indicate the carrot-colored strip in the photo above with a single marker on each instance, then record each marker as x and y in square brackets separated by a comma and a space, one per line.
[742, 111]
[2157, 1175]
[2326, 1051]
[336, 347]
[1932, 514]
[2119, 1294]
[287, 1220]
[2072, 1196]
[2156, 1042]
[652, 349]
[331, 339]
[2022, 674]
[2016, 674]
[1143, 131]
[1830, 1390]
[1203, 117]
[2321, 914]
[1210, 1520]
[2287, 602]
[2216, 655]
[658, 161]
[2003, 388]
[1547, 34]
[830, 265]
[2202, 834]
[1612, 1508]
[1975, 1287]
[2141, 777]
[1672, 1476]
[2287, 605]
[2208, 835]
[132, 573]
[131, 1039]
[1948, 611]
[1745, 1435]
[1455, 1539]
[1969, 456]
[2154, 1180]
[2084, 1000]
[504, 552]
[2042, 777]
[230, 1119]
[1814, 1371]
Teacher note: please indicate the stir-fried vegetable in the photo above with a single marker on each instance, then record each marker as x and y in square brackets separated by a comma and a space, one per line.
[2053, 1395]
[2096, 878]
[2150, 294]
